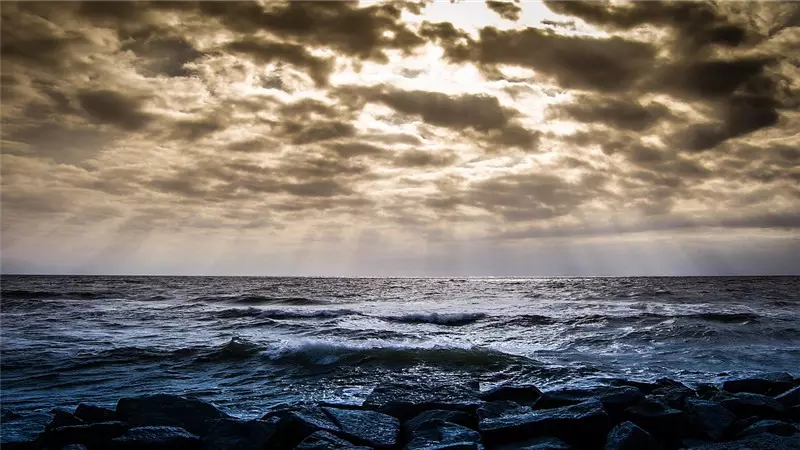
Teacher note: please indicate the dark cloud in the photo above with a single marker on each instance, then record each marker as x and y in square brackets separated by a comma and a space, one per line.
[422, 159]
[620, 113]
[264, 52]
[105, 106]
[506, 10]
[162, 55]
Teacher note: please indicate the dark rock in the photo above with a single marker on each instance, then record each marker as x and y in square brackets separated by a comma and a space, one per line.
[90, 434]
[664, 423]
[94, 414]
[168, 410]
[627, 436]
[294, 425]
[692, 442]
[709, 419]
[746, 405]
[766, 384]
[589, 417]
[790, 398]
[643, 386]
[62, 418]
[322, 440]
[542, 443]
[74, 447]
[236, 434]
[669, 383]
[7, 415]
[769, 426]
[370, 428]
[764, 441]
[441, 435]
[492, 410]
[21, 445]
[156, 438]
[523, 394]
[793, 413]
[706, 391]
[456, 417]
[405, 401]
[612, 397]
[674, 395]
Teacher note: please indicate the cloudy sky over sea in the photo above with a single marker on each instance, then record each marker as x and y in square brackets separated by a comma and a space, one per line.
[389, 138]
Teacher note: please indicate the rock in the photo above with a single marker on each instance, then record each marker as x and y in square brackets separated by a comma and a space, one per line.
[369, 428]
[692, 442]
[95, 434]
[405, 401]
[526, 394]
[612, 397]
[709, 419]
[627, 436]
[542, 443]
[589, 417]
[62, 418]
[746, 405]
[769, 426]
[793, 413]
[790, 398]
[664, 423]
[706, 391]
[169, 411]
[94, 414]
[7, 415]
[74, 447]
[456, 417]
[643, 386]
[766, 384]
[295, 424]
[156, 438]
[236, 434]
[441, 435]
[322, 440]
[764, 441]
[674, 395]
[503, 408]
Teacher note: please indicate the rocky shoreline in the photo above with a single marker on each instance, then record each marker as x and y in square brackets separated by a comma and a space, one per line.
[761, 412]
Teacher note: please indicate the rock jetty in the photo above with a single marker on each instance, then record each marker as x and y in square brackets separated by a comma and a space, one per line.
[762, 412]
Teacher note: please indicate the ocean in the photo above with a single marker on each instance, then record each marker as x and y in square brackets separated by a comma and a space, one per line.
[246, 344]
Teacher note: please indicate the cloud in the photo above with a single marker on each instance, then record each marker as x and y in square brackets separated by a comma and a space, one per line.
[506, 10]
[105, 106]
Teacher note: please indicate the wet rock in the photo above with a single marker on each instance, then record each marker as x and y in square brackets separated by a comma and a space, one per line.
[456, 417]
[643, 386]
[75, 447]
[692, 442]
[615, 398]
[295, 424]
[526, 394]
[709, 419]
[21, 445]
[766, 384]
[93, 414]
[236, 434]
[441, 435]
[769, 426]
[589, 417]
[706, 391]
[628, 436]
[790, 398]
[793, 413]
[502, 408]
[168, 411]
[156, 438]
[94, 434]
[405, 401]
[370, 428]
[662, 422]
[766, 441]
[62, 418]
[542, 443]
[746, 405]
[322, 440]
[674, 394]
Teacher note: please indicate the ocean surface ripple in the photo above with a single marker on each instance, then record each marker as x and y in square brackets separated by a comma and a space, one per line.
[248, 343]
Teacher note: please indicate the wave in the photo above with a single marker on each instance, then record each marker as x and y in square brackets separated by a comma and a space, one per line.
[262, 300]
[238, 313]
[22, 294]
[449, 319]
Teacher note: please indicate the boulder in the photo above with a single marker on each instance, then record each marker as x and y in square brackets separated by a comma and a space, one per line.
[236, 434]
[766, 441]
[74, 447]
[492, 410]
[673, 394]
[370, 428]
[440, 435]
[62, 418]
[589, 417]
[706, 391]
[542, 443]
[295, 424]
[766, 384]
[612, 397]
[643, 386]
[524, 394]
[456, 417]
[322, 440]
[627, 436]
[95, 434]
[405, 401]
[709, 419]
[790, 398]
[664, 423]
[769, 426]
[156, 438]
[746, 405]
[93, 414]
[168, 411]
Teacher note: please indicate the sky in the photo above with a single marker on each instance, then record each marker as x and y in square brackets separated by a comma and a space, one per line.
[400, 138]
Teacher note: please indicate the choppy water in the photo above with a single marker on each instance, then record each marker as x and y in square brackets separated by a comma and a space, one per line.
[248, 343]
